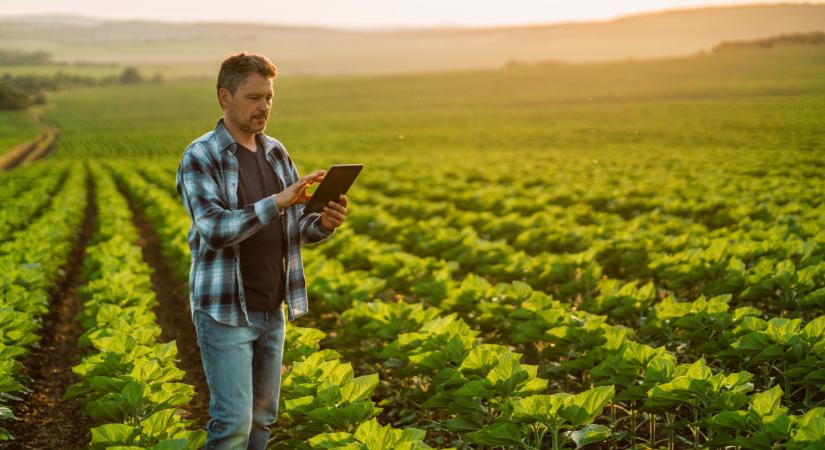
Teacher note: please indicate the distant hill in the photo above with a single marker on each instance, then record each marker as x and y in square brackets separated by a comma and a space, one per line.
[197, 48]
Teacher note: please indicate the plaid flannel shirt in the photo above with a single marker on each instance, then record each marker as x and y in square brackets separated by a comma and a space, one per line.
[207, 181]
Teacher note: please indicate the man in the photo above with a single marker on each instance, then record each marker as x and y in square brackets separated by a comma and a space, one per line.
[243, 193]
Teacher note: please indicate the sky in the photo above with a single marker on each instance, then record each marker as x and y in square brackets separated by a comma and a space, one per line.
[362, 13]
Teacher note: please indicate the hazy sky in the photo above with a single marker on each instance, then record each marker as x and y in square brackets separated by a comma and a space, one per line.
[358, 13]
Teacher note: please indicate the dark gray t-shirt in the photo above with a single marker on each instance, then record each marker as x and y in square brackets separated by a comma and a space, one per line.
[262, 254]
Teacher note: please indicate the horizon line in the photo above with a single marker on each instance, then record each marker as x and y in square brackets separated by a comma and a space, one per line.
[412, 27]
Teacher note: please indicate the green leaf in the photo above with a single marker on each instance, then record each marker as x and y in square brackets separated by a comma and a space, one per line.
[132, 393]
[329, 393]
[590, 434]
[815, 329]
[508, 374]
[359, 388]
[109, 408]
[331, 440]
[752, 342]
[813, 432]
[114, 434]
[463, 423]
[105, 384]
[145, 371]
[481, 359]
[6, 413]
[540, 408]
[476, 388]
[584, 407]
[731, 421]
[766, 402]
[374, 436]
[171, 444]
[159, 423]
[533, 386]
[345, 417]
[506, 434]
[699, 370]
[302, 404]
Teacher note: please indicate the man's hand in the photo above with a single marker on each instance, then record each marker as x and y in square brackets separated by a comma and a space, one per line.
[334, 213]
[297, 192]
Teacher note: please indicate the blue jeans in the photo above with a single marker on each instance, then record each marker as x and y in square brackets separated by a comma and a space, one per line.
[243, 370]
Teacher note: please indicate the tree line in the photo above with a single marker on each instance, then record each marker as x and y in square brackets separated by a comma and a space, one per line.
[812, 38]
[22, 91]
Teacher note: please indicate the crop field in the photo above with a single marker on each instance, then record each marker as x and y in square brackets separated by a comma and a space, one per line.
[615, 255]
[16, 127]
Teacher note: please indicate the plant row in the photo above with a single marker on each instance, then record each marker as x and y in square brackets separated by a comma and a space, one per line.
[31, 263]
[128, 381]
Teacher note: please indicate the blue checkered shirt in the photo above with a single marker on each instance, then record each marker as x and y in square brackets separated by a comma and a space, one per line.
[207, 182]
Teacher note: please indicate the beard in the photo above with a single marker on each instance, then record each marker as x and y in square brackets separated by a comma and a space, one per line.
[251, 125]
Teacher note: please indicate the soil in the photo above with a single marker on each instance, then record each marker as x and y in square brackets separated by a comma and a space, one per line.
[46, 420]
[174, 317]
[31, 151]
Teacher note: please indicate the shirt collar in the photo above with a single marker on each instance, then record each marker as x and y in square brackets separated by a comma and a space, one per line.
[227, 142]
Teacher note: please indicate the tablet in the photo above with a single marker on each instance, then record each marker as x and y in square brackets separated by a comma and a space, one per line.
[337, 181]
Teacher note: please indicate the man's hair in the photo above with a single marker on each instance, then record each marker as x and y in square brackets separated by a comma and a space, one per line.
[235, 68]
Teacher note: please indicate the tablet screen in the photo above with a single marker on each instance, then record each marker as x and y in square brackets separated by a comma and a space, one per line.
[337, 181]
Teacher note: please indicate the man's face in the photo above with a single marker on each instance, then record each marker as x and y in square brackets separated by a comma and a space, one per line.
[249, 108]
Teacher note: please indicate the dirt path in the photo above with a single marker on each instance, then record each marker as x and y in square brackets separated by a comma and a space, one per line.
[31, 151]
[173, 316]
[48, 421]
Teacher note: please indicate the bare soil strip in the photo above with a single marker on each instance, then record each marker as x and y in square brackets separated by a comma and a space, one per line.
[45, 145]
[173, 316]
[48, 421]
[31, 151]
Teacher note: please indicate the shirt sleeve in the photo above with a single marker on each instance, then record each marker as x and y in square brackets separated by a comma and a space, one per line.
[311, 228]
[218, 225]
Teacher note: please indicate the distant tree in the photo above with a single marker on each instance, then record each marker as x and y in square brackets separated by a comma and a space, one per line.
[811, 38]
[21, 91]
[131, 75]
[12, 97]
[17, 57]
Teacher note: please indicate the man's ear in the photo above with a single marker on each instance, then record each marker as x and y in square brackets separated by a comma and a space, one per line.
[224, 97]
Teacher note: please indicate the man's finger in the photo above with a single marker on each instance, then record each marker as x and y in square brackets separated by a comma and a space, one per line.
[337, 207]
[300, 184]
[331, 213]
[334, 223]
[314, 175]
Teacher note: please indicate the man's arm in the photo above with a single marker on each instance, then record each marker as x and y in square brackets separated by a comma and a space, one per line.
[217, 225]
[311, 228]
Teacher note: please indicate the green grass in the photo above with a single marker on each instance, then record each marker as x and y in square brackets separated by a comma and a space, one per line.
[17, 127]
[761, 100]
